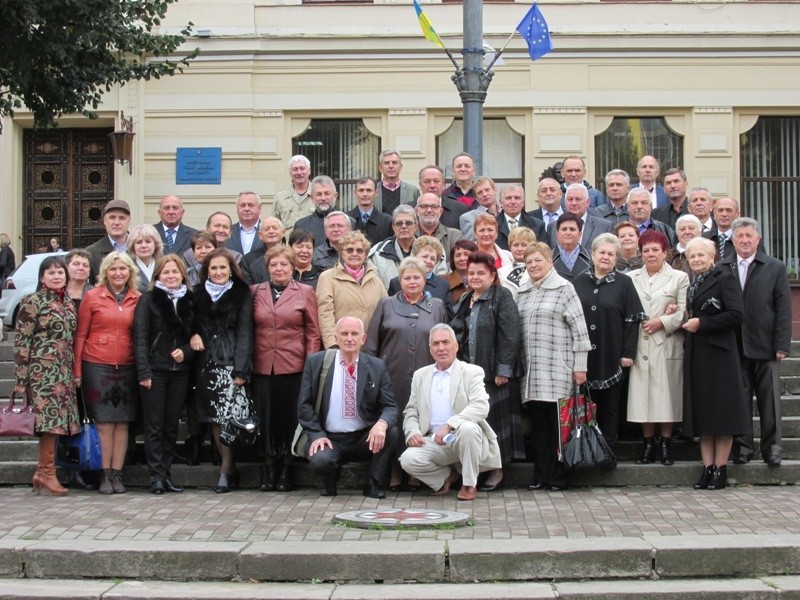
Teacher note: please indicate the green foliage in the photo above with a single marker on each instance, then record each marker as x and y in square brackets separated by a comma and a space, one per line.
[60, 56]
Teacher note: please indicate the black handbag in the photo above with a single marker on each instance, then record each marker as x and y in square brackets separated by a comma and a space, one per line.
[240, 430]
[586, 449]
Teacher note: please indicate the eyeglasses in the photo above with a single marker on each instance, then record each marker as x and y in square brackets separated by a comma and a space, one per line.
[404, 223]
[429, 206]
[353, 251]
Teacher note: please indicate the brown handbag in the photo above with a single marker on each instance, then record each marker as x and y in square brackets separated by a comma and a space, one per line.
[17, 420]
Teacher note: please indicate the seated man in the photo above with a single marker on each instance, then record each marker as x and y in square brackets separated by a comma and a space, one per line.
[445, 421]
[353, 415]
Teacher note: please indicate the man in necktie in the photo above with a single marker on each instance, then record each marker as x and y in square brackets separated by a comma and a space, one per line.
[349, 415]
[173, 233]
[764, 336]
[726, 211]
[375, 224]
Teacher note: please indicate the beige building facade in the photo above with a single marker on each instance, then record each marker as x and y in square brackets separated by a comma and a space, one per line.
[712, 87]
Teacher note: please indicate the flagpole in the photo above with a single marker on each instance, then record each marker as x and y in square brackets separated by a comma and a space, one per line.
[497, 54]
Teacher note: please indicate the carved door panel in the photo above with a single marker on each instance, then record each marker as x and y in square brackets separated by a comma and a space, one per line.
[69, 177]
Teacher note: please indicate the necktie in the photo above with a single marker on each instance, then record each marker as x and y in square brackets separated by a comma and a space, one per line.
[350, 411]
[170, 240]
[743, 271]
[364, 218]
[723, 239]
[552, 217]
[512, 223]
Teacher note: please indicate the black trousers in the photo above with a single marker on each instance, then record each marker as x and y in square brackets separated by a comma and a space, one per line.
[547, 468]
[162, 405]
[608, 403]
[353, 447]
[762, 377]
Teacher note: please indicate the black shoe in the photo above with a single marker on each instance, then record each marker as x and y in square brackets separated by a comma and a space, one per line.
[537, 485]
[558, 488]
[76, 481]
[157, 488]
[491, 488]
[666, 446]
[171, 487]
[372, 490]
[329, 481]
[705, 477]
[285, 480]
[223, 485]
[719, 479]
[270, 478]
[648, 452]
[740, 459]
[773, 461]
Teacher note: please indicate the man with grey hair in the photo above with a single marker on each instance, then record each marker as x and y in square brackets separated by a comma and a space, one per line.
[391, 191]
[323, 195]
[618, 184]
[549, 196]
[764, 337]
[726, 211]
[387, 255]
[577, 202]
[701, 203]
[639, 211]
[648, 170]
[513, 215]
[445, 421]
[244, 234]
[294, 202]
[337, 225]
[485, 191]
[429, 213]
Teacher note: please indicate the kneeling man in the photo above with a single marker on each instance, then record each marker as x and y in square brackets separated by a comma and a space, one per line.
[445, 421]
[353, 415]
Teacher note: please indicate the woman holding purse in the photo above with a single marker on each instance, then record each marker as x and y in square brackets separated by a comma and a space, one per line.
[163, 324]
[224, 337]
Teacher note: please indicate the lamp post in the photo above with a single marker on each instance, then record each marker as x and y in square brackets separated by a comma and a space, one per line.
[122, 142]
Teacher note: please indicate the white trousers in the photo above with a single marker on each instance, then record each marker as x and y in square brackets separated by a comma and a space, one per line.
[431, 463]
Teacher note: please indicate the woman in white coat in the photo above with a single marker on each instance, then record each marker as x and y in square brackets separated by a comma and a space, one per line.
[655, 392]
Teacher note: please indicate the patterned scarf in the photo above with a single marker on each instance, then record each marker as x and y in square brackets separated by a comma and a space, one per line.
[697, 281]
[516, 273]
[179, 292]
[216, 290]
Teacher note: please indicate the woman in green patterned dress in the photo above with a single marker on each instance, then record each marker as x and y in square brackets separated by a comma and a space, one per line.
[43, 359]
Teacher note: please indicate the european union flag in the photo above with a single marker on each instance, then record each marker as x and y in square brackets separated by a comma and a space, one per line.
[534, 29]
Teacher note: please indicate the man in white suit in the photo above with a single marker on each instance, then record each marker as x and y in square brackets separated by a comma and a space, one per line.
[445, 421]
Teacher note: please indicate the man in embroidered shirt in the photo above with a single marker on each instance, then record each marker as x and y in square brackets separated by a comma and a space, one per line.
[445, 421]
[357, 418]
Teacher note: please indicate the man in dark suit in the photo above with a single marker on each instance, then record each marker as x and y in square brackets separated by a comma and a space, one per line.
[244, 234]
[578, 204]
[726, 211]
[618, 184]
[549, 195]
[116, 220]
[512, 201]
[648, 170]
[357, 414]
[675, 185]
[639, 214]
[431, 180]
[375, 224]
[701, 205]
[391, 191]
[174, 234]
[764, 337]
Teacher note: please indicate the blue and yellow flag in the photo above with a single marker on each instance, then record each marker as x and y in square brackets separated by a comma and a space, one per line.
[427, 29]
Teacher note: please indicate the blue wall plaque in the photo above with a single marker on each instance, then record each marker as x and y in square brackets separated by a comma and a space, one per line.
[198, 166]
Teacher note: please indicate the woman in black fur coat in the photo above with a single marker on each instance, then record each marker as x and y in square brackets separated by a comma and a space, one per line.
[224, 337]
[162, 325]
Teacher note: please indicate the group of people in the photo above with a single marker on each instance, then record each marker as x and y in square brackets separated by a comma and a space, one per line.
[416, 329]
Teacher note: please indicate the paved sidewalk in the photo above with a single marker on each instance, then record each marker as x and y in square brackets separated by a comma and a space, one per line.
[252, 516]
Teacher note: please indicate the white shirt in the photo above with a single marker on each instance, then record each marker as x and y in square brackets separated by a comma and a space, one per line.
[441, 410]
[653, 195]
[247, 237]
[335, 422]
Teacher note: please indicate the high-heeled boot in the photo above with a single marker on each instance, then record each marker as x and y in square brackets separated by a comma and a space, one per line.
[106, 482]
[270, 481]
[666, 448]
[45, 480]
[719, 479]
[285, 480]
[705, 477]
[648, 452]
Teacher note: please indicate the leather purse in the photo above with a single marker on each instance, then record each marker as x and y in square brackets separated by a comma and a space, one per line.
[17, 420]
[82, 451]
[240, 431]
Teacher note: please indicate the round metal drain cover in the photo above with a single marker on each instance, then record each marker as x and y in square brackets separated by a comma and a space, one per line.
[401, 517]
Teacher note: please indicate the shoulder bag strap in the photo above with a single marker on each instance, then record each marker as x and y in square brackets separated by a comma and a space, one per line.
[330, 353]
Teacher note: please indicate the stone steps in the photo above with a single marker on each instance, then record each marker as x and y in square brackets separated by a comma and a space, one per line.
[681, 474]
[693, 563]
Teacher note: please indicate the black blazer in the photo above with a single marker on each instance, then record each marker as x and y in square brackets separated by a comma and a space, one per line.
[235, 241]
[378, 226]
[181, 244]
[767, 325]
[373, 392]
[525, 220]
[158, 329]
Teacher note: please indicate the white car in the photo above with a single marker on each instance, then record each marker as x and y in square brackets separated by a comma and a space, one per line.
[21, 283]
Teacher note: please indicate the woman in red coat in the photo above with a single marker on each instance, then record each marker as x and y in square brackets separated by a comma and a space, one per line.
[104, 365]
[285, 332]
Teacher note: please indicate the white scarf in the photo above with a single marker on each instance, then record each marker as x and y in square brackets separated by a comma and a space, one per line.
[174, 294]
[215, 290]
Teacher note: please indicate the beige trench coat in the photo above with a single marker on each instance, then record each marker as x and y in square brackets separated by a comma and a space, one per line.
[655, 390]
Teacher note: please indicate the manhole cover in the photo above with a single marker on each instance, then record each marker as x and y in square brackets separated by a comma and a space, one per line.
[401, 517]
